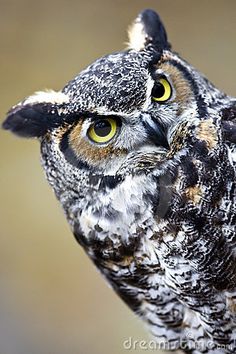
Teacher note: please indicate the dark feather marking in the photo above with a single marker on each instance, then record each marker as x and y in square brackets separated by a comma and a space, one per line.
[69, 153]
[229, 113]
[201, 104]
[111, 181]
[229, 131]
[229, 123]
[31, 120]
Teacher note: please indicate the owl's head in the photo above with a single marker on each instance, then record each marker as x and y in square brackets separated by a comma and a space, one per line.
[121, 105]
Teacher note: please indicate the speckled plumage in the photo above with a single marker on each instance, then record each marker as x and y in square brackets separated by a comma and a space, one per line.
[154, 207]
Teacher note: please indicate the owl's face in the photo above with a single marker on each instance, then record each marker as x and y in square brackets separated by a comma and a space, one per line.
[123, 103]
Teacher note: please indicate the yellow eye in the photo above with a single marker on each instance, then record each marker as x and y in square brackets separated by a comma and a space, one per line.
[161, 91]
[103, 130]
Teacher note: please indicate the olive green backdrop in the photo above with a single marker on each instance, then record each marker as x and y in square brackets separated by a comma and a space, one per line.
[52, 300]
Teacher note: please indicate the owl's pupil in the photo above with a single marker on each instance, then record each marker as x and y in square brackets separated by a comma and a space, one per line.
[158, 90]
[102, 128]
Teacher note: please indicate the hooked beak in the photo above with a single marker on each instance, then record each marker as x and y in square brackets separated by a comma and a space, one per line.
[156, 132]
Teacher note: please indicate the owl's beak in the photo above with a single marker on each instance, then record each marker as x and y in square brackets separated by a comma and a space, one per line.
[156, 132]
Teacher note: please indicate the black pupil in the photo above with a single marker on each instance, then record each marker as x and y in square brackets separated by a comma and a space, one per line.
[102, 128]
[158, 90]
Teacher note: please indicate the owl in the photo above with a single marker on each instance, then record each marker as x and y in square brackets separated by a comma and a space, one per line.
[140, 150]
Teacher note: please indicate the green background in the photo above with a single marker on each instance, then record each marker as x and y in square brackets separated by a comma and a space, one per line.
[52, 300]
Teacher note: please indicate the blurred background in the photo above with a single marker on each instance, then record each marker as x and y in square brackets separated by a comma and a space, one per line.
[52, 299]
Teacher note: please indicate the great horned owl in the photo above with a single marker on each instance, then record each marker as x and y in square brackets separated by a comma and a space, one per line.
[140, 151]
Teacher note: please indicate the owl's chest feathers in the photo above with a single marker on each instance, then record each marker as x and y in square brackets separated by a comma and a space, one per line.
[154, 226]
[115, 219]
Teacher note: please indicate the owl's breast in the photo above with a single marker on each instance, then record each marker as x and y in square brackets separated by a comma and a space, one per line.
[115, 219]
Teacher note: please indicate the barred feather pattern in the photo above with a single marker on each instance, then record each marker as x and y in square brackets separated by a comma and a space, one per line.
[177, 270]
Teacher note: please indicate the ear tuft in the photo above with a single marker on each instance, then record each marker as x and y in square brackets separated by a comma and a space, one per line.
[147, 29]
[35, 115]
